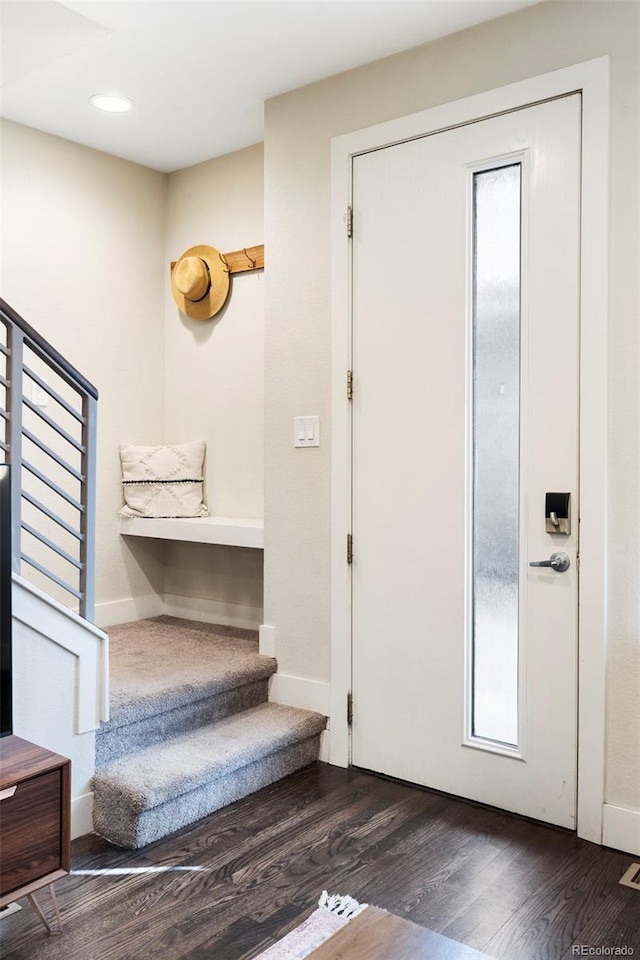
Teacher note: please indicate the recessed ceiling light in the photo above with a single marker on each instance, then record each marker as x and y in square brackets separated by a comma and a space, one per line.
[105, 101]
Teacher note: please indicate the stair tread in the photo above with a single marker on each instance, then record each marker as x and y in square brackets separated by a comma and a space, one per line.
[158, 773]
[163, 663]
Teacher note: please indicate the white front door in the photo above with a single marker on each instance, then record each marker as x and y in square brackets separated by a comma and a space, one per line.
[465, 417]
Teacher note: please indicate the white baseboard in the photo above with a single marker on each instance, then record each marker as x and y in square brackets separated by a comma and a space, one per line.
[267, 640]
[306, 694]
[325, 746]
[213, 611]
[81, 815]
[190, 608]
[298, 692]
[125, 611]
[621, 829]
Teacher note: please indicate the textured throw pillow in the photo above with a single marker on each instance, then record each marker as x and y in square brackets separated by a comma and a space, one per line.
[163, 481]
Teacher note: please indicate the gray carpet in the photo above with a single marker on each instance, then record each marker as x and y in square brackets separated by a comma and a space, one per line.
[191, 730]
[115, 741]
[169, 662]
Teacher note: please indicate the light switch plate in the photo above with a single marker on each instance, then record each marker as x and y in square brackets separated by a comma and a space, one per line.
[306, 431]
[39, 397]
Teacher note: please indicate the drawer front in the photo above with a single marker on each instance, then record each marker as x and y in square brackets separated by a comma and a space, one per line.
[30, 823]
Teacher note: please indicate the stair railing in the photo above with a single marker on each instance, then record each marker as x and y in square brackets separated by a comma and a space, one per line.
[53, 462]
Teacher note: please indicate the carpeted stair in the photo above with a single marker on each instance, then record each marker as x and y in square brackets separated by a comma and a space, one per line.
[191, 729]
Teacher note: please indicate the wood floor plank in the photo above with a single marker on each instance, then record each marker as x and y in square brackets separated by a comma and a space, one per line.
[228, 886]
[618, 930]
[422, 860]
[545, 929]
[475, 867]
[608, 928]
[537, 855]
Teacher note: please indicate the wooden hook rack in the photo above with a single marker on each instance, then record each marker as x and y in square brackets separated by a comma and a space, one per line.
[241, 261]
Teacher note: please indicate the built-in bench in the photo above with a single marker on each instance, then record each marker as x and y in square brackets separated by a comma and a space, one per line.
[228, 531]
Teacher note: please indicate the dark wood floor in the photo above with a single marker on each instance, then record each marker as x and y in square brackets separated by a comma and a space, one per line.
[229, 886]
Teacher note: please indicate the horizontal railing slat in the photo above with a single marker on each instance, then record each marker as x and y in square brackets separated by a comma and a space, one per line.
[53, 394]
[52, 423]
[53, 486]
[51, 453]
[52, 516]
[52, 546]
[52, 576]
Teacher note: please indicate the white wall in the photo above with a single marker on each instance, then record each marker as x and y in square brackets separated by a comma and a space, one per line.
[214, 375]
[83, 263]
[299, 127]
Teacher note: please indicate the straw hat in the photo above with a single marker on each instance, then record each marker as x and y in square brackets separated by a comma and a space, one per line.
[200, 282]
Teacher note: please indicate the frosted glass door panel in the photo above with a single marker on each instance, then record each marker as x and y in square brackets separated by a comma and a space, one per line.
[496, 415]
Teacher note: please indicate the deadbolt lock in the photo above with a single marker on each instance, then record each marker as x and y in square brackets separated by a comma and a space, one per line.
[557, 516]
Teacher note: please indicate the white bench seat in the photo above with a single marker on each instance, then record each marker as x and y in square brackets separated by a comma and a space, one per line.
[228, 531]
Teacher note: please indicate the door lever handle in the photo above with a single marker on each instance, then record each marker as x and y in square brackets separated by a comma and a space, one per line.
[557, 561]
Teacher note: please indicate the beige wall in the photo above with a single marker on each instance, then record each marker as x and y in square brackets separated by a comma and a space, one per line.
[82, 262]
[86, 244]
[214, 383]
[299, 127]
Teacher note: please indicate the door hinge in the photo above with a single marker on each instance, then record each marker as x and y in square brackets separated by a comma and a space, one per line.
[349, 708]
[349, 222]
[349, 548]
[349, 384]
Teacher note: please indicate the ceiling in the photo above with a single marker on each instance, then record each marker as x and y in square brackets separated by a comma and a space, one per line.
[199, 71]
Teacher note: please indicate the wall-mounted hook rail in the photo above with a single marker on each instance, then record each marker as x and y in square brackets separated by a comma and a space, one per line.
[249, 258]
[241, 261]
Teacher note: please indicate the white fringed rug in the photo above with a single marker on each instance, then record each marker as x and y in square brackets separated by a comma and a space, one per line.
[333, 912]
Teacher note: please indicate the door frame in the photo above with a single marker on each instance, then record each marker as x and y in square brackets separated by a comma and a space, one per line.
[591, 79]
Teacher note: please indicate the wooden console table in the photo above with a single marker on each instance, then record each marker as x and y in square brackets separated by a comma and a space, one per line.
[35, 821]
